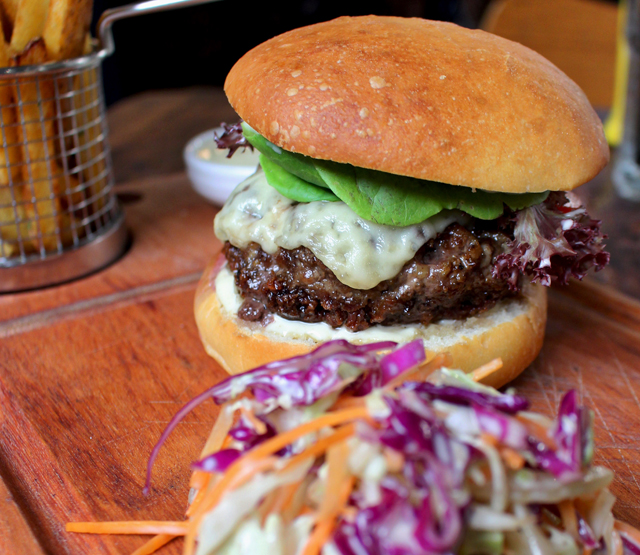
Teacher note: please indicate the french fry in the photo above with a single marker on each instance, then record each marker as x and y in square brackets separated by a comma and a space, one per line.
[8, 10]
[31, 17]
[11, 204]
[66, 27]
[81, 97]
[40, 202]
[42, 182]
[88, 109]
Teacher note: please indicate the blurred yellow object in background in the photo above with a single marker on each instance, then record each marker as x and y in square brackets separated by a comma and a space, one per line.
[614, 126]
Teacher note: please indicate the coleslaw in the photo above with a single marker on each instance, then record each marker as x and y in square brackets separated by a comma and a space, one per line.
[368, 450]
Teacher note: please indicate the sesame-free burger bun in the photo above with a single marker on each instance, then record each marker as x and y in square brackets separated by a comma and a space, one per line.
[424, 99]
[512, 330]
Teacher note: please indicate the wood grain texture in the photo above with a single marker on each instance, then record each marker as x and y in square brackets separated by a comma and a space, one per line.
[16, 537]
[86, 398]
[84, 402]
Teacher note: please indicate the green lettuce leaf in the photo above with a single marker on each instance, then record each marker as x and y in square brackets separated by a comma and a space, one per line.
[379, 197]
[291, 186]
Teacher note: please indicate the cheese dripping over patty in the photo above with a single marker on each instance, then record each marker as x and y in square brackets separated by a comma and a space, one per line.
[360, 253]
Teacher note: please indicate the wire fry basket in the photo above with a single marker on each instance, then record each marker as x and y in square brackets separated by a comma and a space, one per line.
[59, 217]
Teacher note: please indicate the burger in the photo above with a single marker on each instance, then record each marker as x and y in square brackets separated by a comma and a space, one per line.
[414, 183]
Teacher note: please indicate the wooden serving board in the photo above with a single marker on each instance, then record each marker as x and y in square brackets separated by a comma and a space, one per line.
[92, 371]
[87, 385]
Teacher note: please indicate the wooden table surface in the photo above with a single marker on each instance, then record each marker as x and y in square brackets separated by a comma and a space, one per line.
[91, 371]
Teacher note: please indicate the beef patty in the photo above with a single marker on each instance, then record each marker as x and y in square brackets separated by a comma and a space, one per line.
[450, 277]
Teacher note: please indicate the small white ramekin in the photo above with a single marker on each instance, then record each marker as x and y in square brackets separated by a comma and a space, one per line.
[212, 174]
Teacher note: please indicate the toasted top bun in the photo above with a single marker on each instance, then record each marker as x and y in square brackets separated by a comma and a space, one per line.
[424, 99]
[513, 330]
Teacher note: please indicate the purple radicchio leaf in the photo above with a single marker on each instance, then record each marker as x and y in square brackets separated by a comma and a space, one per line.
[553, 241]
[231, 138]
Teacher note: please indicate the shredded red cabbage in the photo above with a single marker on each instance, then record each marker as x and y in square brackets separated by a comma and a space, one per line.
[400, 360]
[231, 138]
[553, 241]
[403, 523]
[391, 365]
[508, 430]
[217, 462]
[570, 433]
[302, 380]
[503, 402]
[630, 547]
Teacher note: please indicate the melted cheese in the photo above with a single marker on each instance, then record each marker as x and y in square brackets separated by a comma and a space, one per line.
[360, 253]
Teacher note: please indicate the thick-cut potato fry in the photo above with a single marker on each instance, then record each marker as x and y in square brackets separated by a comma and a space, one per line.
[90, 145]
[83, 130]
[66, 27]
[43, 183]
[29, 24]
[8, 10]
[11, 205]
[42, 206]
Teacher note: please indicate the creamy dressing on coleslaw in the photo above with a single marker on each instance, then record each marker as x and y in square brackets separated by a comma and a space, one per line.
[360, 253]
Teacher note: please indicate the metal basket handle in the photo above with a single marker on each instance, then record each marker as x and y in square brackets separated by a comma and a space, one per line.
[109, 17]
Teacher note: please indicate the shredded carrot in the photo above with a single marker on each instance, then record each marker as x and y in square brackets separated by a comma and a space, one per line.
[626, 529]
[228, 481]
[394, 459]
[245, 467]
[154, 544]
[486, 370]
[321, 446]
[297, 503]
[538, 431]
[219, 432]
[421, 373]
[216, 440]
[489, 439]
[258, 424]
[587, 551]
[337, 473]
[348, 402]
[569, 519]
[177, 528]
[326, 522]
[318, 538]
[512, 458]
[285, 497]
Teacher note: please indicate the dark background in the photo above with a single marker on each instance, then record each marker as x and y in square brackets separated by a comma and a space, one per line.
[198, 45]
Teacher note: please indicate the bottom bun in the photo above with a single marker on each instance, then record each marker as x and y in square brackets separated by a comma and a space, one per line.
[513, 330]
